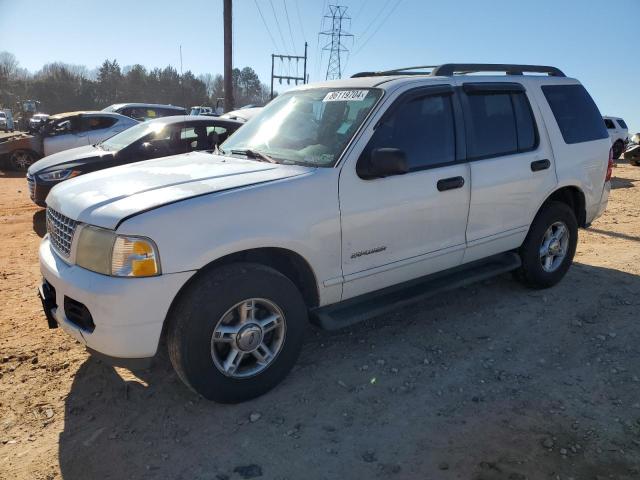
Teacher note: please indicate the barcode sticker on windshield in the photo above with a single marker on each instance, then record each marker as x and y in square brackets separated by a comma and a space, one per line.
[345, 96]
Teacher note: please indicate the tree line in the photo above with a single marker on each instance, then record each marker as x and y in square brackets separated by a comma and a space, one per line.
[62, 87]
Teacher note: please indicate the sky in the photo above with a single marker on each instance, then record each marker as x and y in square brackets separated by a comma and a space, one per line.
[594, 41]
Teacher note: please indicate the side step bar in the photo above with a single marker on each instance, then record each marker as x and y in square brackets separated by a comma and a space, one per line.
[369, 305]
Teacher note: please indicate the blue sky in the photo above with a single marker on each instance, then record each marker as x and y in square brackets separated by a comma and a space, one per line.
[594, 41]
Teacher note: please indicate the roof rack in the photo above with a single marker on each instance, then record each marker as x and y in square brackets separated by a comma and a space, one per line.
[449, 69]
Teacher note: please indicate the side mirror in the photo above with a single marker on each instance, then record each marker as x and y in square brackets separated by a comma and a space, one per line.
[382, 162]
[147, 149]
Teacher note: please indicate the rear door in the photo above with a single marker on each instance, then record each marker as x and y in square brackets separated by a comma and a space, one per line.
[512, 166]
[406, 226]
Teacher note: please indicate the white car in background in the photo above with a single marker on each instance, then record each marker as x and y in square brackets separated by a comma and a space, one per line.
[6, 122]
[619, 134]
[242, 114]
[77, 129]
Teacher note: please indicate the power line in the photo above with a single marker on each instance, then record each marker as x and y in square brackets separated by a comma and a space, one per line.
[379, 26]
[318, 51]
[286, 12]
[375, 19]
[304, 36]
[284, 44]
[265, 24]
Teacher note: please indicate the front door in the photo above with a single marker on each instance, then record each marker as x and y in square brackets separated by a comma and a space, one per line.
[402, 227]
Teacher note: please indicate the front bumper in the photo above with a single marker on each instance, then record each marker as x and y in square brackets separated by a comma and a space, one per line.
[128, 313]
[38, 191]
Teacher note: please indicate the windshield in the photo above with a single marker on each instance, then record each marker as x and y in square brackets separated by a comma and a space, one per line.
[133, 134]
[311, 127]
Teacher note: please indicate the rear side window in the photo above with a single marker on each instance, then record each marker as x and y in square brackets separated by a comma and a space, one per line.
[499, 123]
[609, 124]
[423, 128]
[576, 113]
[622, 123]
[98, 123]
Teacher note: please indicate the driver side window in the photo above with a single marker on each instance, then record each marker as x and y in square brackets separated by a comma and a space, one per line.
[423, 128]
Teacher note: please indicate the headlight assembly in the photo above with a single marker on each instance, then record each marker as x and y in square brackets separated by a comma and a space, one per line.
[103, 251]
[58, 175]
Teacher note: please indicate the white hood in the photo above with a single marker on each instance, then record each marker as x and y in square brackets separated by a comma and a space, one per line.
[106, 197]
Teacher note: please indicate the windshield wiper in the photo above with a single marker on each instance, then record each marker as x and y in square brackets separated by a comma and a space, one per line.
[255, 154]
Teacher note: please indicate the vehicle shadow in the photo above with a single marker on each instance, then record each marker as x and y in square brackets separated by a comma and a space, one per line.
[619, 182]
[40, 223]
[5, 173]
[461, 382]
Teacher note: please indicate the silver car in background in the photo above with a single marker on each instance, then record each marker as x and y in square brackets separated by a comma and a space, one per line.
[76, 129]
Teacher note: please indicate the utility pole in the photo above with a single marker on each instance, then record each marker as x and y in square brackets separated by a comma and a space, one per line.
[289, 58]
[228, 56]
[339, 19]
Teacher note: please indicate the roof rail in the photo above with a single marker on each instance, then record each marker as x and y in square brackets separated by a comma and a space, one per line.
[449, 69]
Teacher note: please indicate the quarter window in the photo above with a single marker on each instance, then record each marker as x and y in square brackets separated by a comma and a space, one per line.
[575, 112]
[499, 123]
[423, 128]
[622, 123]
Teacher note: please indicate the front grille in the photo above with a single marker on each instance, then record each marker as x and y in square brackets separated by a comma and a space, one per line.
[32, 186]
[60, 230]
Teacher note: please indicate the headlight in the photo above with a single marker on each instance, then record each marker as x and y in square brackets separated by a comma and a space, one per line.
[58, 175]
[103, 251]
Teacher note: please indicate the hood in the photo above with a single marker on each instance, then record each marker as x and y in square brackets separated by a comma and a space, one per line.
[106, 197]
[68, 158]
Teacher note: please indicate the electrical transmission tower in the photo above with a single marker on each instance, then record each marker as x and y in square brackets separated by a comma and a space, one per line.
[335, 46]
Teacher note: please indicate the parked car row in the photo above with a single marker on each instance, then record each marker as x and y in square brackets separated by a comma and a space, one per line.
[335, 203]
[156, 138]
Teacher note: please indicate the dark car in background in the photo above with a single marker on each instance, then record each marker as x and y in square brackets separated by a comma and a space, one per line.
[145, 111]
[156, 138]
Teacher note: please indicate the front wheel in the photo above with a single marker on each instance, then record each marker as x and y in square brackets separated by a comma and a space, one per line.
[236, 332]
[550, 245]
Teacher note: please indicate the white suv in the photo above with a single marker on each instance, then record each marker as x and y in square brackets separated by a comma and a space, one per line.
[339, 201]
[619, 134]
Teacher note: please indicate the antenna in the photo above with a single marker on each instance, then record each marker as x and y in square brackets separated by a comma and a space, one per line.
[338, 17]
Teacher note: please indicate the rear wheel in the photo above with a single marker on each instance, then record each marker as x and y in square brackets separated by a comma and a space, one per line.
[550, 245]
[236, 332]
[21, 160]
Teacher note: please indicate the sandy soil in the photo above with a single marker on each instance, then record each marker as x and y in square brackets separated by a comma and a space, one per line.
[489, 382]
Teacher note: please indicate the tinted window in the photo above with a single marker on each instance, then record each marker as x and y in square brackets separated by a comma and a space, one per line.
[492, 125]
[576, 113]
[423, 128]
[609, 123]
[621, 123]
[525, 124]
[97, 123]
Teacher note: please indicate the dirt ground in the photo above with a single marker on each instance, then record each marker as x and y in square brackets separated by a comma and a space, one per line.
[488, 382]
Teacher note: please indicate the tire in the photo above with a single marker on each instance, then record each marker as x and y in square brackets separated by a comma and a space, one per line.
[213, 300]
[550, 218]
[618, 148]
[21, 160]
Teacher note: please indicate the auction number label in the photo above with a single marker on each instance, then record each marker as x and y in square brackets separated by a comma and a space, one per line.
[345, 96]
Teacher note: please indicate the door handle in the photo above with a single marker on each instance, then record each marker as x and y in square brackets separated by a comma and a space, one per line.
[450, 183]
[540, 165]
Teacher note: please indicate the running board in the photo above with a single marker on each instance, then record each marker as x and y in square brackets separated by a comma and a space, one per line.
[369, 305]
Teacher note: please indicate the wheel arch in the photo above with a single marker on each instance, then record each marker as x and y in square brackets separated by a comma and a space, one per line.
[289, 263]
[572, 196]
